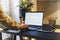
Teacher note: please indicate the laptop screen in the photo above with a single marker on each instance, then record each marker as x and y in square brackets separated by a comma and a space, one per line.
[34, 18]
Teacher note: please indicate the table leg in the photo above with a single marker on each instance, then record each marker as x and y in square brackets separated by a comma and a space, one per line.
[29, 38]
[21, 37]
[0, 36]
[14, 37]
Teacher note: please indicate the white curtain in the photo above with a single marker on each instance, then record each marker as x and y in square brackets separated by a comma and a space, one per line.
[5, 5]
[10, 7]
[15, 9]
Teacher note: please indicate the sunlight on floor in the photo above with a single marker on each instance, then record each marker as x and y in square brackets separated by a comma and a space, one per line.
[25, 38]
[33, 39]
[4, 35]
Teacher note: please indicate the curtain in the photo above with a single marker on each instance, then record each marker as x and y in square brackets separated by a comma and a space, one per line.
[10, 7]
[5, 5]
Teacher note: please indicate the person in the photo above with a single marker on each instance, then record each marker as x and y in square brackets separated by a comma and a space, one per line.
[8, 22]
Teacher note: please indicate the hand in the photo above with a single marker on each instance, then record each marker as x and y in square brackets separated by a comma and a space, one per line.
[23, 26]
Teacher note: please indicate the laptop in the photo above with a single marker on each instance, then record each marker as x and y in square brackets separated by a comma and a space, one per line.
[34, 20]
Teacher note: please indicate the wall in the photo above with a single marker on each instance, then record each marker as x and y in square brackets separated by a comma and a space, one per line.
[34, 8]
[58, 12]
[52, 9]
[40, 5]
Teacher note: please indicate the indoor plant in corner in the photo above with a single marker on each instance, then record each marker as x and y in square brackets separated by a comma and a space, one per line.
[24, 5]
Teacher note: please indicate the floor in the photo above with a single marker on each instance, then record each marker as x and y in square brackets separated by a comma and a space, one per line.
[6, 36]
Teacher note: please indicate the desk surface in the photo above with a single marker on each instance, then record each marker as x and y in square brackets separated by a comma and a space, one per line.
[46, 35]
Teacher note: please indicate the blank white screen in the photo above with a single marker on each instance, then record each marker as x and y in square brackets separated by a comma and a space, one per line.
[34, 18]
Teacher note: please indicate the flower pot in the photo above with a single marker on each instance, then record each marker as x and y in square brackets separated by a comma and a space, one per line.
[22, 12]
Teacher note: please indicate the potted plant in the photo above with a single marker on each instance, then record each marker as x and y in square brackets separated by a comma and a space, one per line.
[24, 5]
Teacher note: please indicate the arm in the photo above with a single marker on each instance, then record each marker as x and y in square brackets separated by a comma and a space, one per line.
[8, 21]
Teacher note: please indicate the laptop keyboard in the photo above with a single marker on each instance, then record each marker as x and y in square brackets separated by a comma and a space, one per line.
[37, 29]
[41, 30]
[32, 28]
